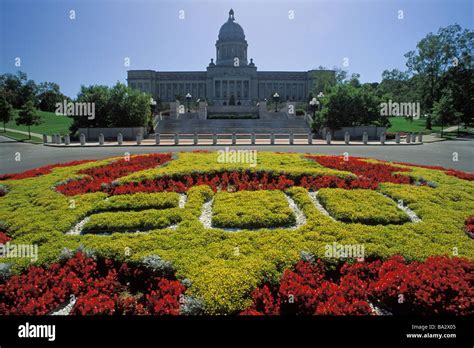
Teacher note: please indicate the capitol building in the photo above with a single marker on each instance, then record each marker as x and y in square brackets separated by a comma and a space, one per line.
[232, 78]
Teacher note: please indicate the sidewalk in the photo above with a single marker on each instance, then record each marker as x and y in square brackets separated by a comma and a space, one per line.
[38, 135]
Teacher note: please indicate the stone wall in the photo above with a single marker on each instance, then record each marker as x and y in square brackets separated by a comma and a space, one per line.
[355, 132]
[129, 133]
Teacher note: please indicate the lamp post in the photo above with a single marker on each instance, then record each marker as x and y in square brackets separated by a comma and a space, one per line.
[276, 99]
[152, 110]
[313, 104]
[188, 99]
[152, 106]
[320, 96]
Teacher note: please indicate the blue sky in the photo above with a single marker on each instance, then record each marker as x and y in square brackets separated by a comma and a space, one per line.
[92, 48]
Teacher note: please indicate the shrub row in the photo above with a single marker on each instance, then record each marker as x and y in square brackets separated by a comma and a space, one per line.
[132, 221]
[139, 201]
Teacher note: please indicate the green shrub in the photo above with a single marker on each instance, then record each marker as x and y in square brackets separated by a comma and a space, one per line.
[139, 201]
[251, 209]
[363, 206]
[132, 221]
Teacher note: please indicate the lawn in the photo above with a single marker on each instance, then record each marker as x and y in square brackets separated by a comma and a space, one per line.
[20, 136]
[52, 124]
[401, 124]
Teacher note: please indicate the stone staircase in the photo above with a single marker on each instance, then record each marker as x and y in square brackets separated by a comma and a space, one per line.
[280, 124]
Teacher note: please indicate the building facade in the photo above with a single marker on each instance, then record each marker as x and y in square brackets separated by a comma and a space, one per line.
[231, 78]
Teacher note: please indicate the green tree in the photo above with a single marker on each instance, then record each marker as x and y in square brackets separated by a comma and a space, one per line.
[345, 106]
[444, 112]
[6, 111]
[435, 54]
[128, 107]
[100, 96]
[48, 95]
[28, 116]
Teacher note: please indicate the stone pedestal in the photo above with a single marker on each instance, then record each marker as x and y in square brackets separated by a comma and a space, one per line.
[310, 138]
[101, 139]
[67, 139]
[157, 139]
[328, 138]
[347, 138]
[397, 138]
[120, 138]
[365, 138]
[82, 139]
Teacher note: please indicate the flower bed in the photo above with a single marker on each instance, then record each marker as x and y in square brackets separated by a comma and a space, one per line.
[225, 267]
[440, 285]
[137, 221]
[100, 287]
[139, 201]
[246, 209]
[99, 178]
[364, 206]
[40, 171]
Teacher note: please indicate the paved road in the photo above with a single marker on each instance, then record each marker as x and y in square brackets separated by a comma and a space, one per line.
[439, 153]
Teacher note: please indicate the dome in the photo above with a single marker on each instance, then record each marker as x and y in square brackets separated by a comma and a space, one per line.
[230, 30]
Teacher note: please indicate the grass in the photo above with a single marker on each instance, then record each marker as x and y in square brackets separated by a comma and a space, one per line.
[20, 137]
[52, 124]
[401, 124]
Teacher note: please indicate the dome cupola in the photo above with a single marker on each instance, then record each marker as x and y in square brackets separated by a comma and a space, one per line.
[231, 46]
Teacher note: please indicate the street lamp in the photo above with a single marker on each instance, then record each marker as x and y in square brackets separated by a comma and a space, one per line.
[152, 106]
[188, 99]
[276, 99]
[320, 96]
[313, 104]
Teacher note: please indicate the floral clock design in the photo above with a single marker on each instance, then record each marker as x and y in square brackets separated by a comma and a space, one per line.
[185, 234]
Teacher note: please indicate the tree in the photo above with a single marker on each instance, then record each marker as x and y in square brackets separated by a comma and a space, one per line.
[100, 96]
[458, 81]
[28, 117]
[48, 95]
[128, 107]
[444, 112]
[345, 106]
[6, 111]
[433, 57]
